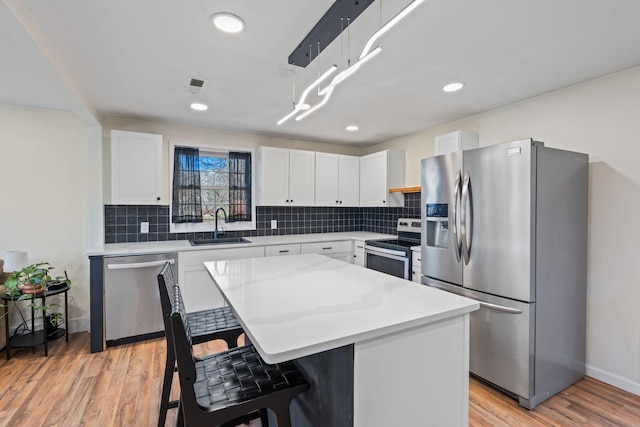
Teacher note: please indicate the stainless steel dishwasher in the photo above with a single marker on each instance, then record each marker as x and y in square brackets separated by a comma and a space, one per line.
[131, 297]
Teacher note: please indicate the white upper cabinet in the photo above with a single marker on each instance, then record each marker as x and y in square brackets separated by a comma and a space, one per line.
[337, 180]
[136, 168]
[302, 177]
[378, 173]
[456, 141]
[285, 177]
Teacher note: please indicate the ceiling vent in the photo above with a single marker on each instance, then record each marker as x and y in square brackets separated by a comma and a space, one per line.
[195, 86]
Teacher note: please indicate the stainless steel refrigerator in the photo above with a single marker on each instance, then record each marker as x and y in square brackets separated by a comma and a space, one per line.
[507, 225]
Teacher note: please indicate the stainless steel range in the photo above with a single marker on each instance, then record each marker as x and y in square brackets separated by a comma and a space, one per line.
[393, 256]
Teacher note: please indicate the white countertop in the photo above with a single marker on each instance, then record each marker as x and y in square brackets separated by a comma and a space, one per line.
[117, 249]
[298, 305]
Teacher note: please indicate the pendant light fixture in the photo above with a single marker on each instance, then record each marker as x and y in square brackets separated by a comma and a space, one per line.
[368, 52]
[301, 105]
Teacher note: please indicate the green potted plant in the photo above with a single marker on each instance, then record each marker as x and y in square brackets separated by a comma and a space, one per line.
[34, 280]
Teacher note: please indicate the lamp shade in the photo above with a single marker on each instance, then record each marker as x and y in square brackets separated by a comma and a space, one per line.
[15, 261]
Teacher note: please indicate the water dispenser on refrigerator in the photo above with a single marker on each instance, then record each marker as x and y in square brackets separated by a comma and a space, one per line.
[437, 225]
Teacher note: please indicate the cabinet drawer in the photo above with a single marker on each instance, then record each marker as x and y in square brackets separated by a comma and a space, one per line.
[197, 258]
[325, 247]
[279, 250]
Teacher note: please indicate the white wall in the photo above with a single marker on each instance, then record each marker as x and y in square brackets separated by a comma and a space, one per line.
[600, 118]
[200, 136]
[44, 186]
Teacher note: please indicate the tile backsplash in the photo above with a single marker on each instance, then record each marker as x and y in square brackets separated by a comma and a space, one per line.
[122, 222]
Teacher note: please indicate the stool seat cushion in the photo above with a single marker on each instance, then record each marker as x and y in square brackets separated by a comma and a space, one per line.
[240, 375]
[207, 321]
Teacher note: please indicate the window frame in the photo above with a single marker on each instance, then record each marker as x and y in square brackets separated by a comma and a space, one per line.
[208, 226]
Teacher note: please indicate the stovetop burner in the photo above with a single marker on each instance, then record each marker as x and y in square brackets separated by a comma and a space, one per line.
[409, 231]
[397, 242]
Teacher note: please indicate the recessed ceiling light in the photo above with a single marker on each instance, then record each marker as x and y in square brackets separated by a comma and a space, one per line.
[228, 22]
[352, 128]
[199, 107]
[452, 87]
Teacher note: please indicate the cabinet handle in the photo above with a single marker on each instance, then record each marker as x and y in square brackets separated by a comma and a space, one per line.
[336, 201]
[384, 201]
[284, 252]
[326, 249]
[361, 247]
[287, 200]
[158, 198]
[340, 201]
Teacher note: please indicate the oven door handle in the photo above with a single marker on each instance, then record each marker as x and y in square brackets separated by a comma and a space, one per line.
[387, 253]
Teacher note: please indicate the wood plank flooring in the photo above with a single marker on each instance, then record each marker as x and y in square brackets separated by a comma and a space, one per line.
[121, 387]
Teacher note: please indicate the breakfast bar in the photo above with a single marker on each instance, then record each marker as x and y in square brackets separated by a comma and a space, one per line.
[378, 350]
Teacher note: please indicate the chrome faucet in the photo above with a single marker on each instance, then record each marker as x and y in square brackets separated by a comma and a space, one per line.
[215, 233]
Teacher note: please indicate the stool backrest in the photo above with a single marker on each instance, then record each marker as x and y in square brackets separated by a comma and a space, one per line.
[183, 349]
[166, 282]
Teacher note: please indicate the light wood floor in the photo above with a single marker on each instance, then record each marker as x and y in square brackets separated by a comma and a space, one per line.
[121, 387]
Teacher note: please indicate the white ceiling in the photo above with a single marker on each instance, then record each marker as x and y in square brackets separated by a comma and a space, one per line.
[134, 58]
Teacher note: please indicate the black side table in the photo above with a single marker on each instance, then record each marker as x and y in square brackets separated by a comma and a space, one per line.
[34, 337]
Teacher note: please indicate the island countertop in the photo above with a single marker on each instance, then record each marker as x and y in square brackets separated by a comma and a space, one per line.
[300, 305]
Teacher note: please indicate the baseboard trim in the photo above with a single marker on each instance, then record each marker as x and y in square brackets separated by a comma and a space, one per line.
[79, 325]
[613, 379]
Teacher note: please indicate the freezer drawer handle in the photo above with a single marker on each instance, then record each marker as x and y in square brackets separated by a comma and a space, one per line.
[497, 307]
[139, 264]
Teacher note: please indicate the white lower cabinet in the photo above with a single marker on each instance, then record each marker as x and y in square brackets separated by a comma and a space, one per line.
[340, 250]
[358, 252]
[416, 266]
[281, 250]
[198, 290]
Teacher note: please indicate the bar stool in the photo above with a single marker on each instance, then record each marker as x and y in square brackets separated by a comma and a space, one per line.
[223, 387]
[206, 325]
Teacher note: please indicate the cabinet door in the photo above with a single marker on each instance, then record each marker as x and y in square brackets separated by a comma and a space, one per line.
[358, 252]
[136, 168]
[198, 290]
[302, 176]
[343, 256]
[273, 166]
[373, 179]
[327, 179]
[349, 181]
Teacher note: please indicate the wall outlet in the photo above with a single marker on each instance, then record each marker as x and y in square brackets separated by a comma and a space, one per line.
[144, 227]
[274, 224]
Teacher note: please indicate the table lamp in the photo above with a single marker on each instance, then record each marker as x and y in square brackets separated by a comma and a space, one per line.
[15, 261]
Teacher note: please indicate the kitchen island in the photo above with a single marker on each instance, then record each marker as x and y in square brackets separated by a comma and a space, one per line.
[378, 350]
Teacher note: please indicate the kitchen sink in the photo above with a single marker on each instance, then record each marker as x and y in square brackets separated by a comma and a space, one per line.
[222, 241]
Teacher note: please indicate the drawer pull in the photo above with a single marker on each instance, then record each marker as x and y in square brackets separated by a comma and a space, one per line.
[284, 252]
[327, 249]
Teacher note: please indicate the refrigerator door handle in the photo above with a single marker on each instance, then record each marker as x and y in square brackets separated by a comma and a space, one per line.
[497, 307]
[467, 229]
[457, 244]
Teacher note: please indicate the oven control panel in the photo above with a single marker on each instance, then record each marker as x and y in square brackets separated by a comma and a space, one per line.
[412, 225]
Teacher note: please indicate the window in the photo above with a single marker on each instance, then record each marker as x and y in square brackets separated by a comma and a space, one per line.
[206, 179]
[214, 183]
